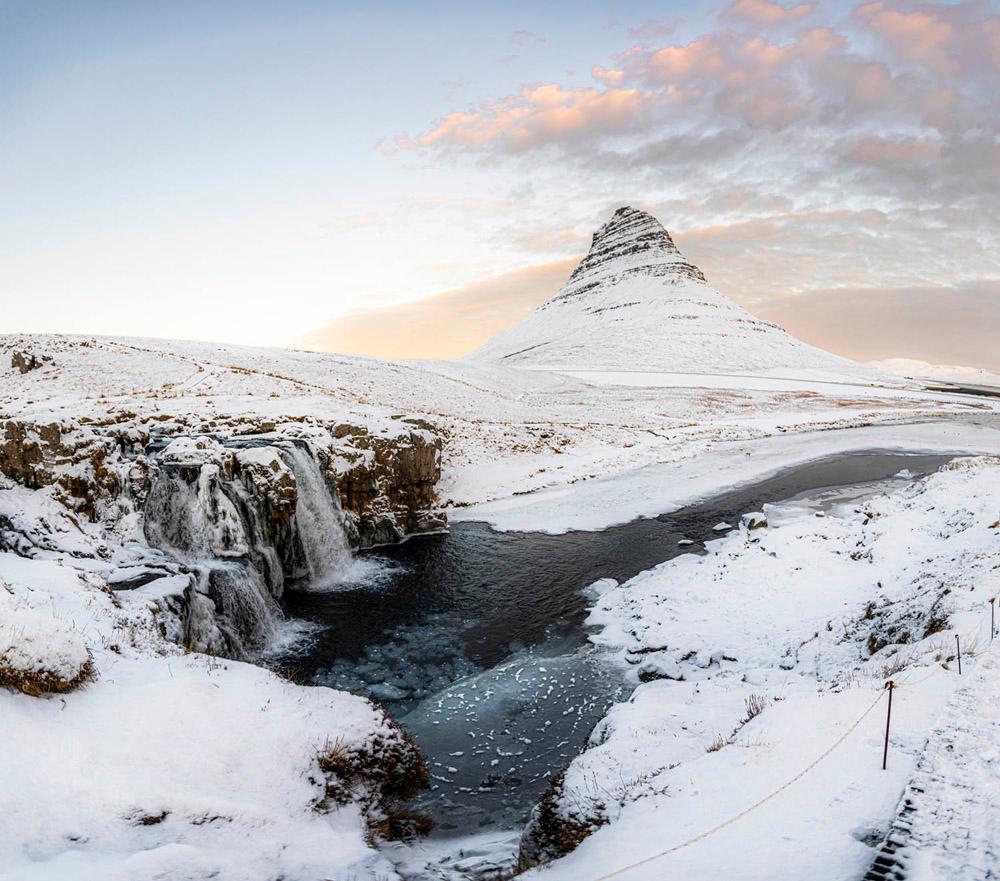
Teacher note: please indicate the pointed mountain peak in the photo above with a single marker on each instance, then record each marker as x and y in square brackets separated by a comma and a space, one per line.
[630, 225]
[632, 242]
[634, 304]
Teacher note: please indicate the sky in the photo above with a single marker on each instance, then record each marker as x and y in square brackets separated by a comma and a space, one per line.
[407, 179]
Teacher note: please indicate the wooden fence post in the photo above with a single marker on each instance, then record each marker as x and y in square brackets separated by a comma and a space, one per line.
[888, 718]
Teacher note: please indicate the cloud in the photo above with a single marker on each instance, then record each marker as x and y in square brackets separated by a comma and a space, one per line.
[525, 38]
[878, 150]
[608, 76]
[538, 115]
[924, 35]
[956, 324]
[446, 325]
[652, 29]
[791, 148]
[767, 12]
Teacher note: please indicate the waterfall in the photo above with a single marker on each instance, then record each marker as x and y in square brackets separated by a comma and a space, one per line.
[222, 528]
[189, 514]
[319, 519]
[194, 518]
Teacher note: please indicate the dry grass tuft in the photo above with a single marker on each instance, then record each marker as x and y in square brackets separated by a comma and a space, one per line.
[894, 665]
[717, 744]
[377, 774]
[755, 704]
[552, 832]
[38, 682]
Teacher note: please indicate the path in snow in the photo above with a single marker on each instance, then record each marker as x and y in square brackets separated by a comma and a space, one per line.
[948, 816]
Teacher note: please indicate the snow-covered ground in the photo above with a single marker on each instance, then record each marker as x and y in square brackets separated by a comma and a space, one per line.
[639, 389]
[716, 468]
[951, 373]
[768, 653]
[507, 431]
[162, 763]
[946, 824]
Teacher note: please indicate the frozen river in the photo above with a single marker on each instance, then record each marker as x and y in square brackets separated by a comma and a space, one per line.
[474, 639]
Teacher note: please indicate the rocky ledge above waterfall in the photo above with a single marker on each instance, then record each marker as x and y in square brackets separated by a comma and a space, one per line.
[385, 475]
[222, 514]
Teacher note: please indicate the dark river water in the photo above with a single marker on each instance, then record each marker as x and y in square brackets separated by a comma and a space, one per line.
[474, 641]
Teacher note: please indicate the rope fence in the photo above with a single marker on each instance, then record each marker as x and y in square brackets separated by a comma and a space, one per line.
[889, 687]
[752, 807]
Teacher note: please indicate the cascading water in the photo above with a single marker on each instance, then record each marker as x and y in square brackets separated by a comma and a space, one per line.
[214, 514]
[190, 515]
[319, 519]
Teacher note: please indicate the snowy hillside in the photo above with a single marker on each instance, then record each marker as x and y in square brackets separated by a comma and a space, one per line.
[635, 303]
[158, 498]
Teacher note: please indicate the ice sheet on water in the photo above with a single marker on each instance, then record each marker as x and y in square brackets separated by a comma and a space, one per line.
[835, 499]
[493, 740]
[412, 662]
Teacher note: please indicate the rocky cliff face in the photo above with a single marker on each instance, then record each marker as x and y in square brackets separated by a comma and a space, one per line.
[385, 481]
[635, 303]
[229, 512]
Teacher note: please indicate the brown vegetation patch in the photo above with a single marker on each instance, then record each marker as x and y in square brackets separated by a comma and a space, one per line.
[378, 774]
[552, 833]
[38, 682]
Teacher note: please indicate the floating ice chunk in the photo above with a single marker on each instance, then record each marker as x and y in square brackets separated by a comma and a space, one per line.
[722, 527]
[384, 691]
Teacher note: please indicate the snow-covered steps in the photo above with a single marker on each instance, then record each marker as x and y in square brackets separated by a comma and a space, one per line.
[947, 820]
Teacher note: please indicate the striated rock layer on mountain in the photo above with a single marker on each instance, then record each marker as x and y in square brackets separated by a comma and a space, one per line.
[634, 303]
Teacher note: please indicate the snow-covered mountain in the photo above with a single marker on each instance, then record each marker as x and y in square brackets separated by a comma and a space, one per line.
[635, 303]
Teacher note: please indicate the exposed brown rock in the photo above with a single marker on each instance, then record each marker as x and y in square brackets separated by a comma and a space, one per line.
[25, 361]
[388, 483]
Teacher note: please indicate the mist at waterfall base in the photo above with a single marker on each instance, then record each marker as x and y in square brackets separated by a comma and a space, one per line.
[474, 639]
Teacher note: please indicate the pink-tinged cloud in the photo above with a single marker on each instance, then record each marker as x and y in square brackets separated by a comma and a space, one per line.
[538, 115]
[446, 325]
[946, 39]
[766, 107]
[699, 58]
[767, 12]
[608, 76]
[727, 60]
[916, 34]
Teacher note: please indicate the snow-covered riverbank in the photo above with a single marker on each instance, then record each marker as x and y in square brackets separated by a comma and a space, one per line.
[758, 657]
[164, 763]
